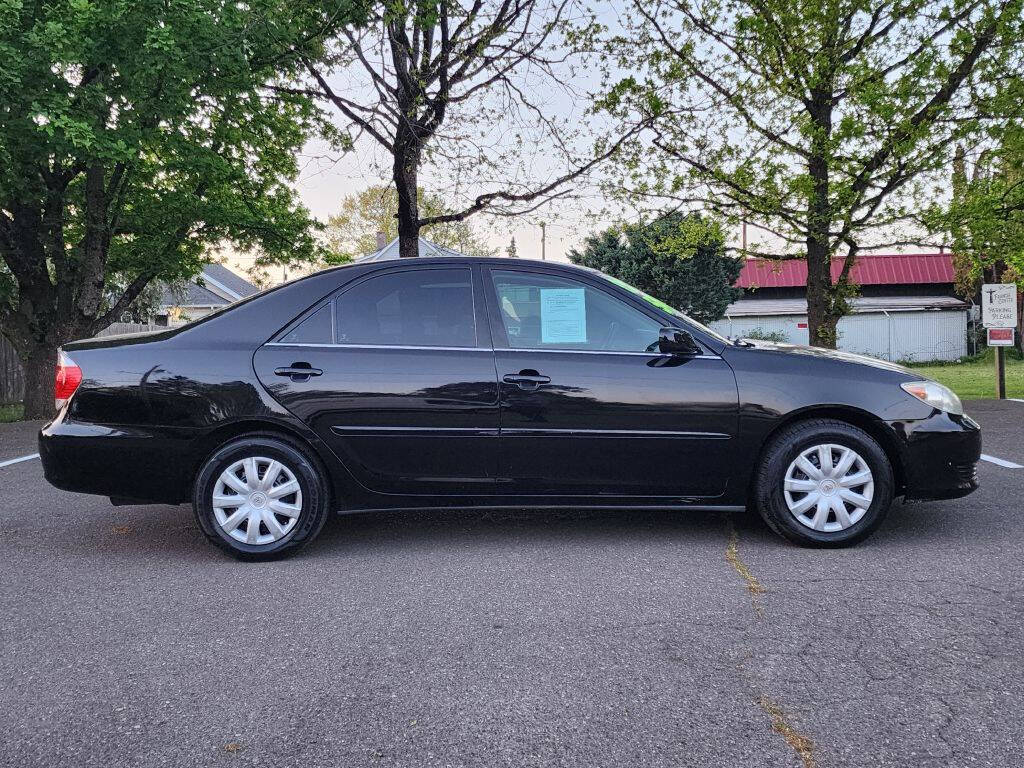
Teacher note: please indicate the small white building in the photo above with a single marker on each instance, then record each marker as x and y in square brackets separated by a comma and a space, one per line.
[906, 310]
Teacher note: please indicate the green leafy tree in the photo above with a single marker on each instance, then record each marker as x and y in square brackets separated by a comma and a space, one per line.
[820, 121]
[134, 134]
[678, 258]
[352, 232]
[984, 220]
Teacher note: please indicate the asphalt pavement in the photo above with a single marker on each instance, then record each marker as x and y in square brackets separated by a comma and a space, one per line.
[636, 638]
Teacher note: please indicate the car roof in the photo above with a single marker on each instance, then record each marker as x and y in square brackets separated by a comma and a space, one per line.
[466, 260]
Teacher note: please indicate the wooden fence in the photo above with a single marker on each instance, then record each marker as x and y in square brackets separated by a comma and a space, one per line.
[12, 380]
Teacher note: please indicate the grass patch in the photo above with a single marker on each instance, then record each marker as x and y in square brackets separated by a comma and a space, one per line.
[9, 413]
[975, 377]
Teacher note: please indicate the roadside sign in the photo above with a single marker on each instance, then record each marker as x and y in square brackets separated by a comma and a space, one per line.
[999, 305]
[1000, 337]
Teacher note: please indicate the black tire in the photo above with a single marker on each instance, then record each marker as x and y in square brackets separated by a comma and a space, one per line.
[785, 447]
[314, 503]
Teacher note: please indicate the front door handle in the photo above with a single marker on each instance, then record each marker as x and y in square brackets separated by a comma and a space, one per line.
[298, 371]
[528, 380]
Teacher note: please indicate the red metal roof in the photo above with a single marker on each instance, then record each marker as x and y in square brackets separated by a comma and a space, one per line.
[888, 269]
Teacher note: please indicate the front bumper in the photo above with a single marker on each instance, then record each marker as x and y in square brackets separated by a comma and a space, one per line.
[940, 456]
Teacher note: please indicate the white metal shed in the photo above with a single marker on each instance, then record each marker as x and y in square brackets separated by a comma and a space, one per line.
[912, 328]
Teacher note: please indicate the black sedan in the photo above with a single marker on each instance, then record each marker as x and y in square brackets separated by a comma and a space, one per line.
[491, 383]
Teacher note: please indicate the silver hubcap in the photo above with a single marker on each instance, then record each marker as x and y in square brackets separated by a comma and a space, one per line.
[257, 500]
[828, 488]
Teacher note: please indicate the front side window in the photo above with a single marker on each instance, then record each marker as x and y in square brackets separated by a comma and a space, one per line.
[547, 312]
[419, 307]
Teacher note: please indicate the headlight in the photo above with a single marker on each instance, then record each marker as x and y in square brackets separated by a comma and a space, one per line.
[935, 395]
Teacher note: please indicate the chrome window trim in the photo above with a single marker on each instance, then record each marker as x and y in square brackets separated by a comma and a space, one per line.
[485, 349]
[606, 352]
[488, 349]
[375, 346]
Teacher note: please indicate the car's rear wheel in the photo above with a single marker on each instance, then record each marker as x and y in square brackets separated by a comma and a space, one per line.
[260, 498]
[824, 483]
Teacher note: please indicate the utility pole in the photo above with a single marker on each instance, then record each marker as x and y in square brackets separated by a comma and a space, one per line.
[543, 241]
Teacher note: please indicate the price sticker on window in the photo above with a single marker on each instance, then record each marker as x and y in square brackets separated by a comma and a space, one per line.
[563, 316]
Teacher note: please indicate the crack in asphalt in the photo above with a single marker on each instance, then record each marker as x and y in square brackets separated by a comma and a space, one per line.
[802, 745]
[732, 556]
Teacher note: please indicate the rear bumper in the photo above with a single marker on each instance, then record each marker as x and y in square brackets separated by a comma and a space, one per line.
[115, 461]
[941, 454]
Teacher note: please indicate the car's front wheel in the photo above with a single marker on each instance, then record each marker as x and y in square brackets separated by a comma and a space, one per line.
[824, 483]
[259, 498]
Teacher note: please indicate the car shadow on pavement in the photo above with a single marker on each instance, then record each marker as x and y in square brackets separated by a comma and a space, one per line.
[172, 532]
[453, 528]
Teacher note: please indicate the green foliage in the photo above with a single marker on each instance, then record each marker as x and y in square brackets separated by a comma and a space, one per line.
[760, 334]
[678, 258]
[135, 133]
[985, 217]
[352, 232]
[819, 121]
[10, 413]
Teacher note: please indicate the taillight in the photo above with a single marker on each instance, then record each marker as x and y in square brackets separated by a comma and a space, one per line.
[69, 376]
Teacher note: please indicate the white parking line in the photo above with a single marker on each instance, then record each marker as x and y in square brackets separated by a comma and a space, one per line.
[1001, 462]
[18, 461]
[1016, 399]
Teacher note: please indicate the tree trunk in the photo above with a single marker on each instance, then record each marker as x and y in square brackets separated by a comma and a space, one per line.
[821, 321]
[821, 316]
[405, 176]
[39, 367]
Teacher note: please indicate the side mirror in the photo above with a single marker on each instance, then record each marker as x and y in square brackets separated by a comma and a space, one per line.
[676, 341]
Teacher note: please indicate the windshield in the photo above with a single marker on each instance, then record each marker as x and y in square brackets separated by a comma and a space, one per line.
[661, 305]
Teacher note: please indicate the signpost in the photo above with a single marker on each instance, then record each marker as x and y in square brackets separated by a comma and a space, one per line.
[999, 316]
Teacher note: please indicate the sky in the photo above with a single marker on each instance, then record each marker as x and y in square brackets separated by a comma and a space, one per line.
[327, 176]
[324, 182]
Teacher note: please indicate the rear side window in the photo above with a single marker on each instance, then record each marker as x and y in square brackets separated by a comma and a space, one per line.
[315, 329]
[419, 307]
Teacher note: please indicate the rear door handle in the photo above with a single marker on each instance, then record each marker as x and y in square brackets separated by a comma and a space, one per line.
[299, 371]
[527, 380]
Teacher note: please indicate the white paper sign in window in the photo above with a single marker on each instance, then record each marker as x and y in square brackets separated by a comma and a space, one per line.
[563, 316]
